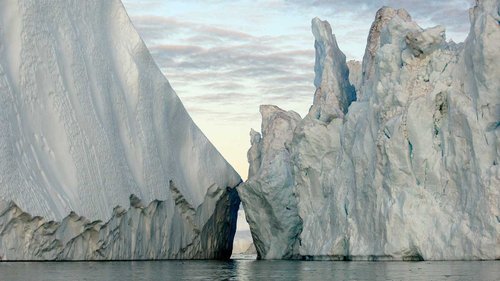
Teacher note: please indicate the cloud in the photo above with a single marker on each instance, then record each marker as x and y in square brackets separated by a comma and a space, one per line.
[222, 115]
[227, 97]
[225, 33]
[175, 50]
[452, 13]
[160, 27]
[226, 57]
[218, 64]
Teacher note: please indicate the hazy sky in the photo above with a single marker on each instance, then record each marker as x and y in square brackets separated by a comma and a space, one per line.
[226, 57]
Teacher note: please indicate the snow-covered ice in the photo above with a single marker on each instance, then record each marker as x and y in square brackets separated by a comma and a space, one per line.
[86, 120]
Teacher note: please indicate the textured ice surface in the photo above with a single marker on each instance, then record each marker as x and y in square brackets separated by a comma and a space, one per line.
[409, 172]
[87, 119]
[270, 207]
[141, 232]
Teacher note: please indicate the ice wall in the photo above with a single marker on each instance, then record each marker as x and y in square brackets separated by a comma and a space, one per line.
[409, 172]
[87, 119]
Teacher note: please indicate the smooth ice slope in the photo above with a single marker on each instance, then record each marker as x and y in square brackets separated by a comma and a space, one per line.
[87, 119]
[410, 172]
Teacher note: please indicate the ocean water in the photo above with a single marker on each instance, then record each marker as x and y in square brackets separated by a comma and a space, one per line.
[244, 269]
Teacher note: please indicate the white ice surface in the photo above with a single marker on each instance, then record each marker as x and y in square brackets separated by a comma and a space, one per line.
[87, 118]
[411, 171]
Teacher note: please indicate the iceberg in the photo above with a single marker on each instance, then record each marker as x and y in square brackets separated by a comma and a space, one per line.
[398, 157]
[87, 120]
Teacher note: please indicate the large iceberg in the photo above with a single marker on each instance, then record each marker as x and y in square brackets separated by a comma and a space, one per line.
[397, 159]
[89, 130]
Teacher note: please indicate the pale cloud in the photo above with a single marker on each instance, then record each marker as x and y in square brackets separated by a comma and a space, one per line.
[226, 57]
[450, 13]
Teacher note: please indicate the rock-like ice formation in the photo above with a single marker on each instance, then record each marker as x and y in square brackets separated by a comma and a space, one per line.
[410, 172]
[269, 186]
[333, 93]
[86, 120]
[139, 233]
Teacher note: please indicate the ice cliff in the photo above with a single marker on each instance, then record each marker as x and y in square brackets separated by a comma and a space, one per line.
[396, 160]
[86, 120]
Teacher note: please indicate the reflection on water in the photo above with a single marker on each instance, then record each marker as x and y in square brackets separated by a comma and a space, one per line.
[250, 270]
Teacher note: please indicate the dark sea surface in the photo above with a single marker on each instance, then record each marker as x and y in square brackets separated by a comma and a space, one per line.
[244, 269]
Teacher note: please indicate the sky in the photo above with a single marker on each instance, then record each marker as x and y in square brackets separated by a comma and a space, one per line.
[224, 58]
